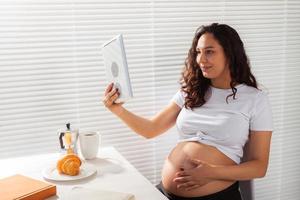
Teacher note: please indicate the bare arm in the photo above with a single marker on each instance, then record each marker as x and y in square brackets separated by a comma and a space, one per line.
[257, 153]
[148, 128]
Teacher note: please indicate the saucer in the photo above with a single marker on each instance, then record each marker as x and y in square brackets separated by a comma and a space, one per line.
[86, 170]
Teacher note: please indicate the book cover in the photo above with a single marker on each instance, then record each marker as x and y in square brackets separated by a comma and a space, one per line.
[19, 187]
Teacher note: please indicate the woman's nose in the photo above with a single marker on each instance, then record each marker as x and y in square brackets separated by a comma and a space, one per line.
[201, 59]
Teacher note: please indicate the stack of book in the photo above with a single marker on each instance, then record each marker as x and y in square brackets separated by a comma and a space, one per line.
[20, 187]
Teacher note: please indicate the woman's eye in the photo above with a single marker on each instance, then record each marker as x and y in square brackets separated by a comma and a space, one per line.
[209, 52]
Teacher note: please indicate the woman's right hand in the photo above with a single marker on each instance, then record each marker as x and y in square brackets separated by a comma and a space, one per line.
[110, 96]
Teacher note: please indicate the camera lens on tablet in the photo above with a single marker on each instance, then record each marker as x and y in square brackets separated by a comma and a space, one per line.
[114, 69]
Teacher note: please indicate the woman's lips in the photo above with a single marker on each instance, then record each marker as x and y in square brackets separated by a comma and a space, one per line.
[204, 69]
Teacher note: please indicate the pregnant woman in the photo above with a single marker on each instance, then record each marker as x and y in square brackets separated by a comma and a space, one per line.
[217, 110]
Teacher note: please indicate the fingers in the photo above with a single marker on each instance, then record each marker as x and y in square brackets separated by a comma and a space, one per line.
[114, 96]
[182, 179]
[110, 97]
[181, 173]
[108, 88]
[192, 187]
[188, 185]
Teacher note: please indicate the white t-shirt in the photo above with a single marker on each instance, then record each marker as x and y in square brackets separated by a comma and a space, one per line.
[225, 125]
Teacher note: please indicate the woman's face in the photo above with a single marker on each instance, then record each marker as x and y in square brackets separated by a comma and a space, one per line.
[211, 58]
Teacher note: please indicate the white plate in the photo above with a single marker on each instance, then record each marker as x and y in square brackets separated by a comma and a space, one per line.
[86, 170]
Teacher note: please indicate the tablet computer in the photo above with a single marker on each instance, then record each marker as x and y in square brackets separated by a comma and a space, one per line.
[116, 67]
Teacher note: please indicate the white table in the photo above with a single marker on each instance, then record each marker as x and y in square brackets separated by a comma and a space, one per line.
[114, 173]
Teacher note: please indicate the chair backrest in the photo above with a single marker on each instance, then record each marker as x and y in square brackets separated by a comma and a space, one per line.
[246, 187]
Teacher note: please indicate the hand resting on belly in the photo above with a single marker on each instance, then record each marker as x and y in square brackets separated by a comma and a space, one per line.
[181, 158]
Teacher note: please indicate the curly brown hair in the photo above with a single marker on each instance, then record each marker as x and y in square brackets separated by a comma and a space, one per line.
[195, 85]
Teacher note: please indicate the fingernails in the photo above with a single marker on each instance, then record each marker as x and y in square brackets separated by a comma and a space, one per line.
[179, 174]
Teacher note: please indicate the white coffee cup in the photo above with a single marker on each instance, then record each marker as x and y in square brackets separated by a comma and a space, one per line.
[89, 144]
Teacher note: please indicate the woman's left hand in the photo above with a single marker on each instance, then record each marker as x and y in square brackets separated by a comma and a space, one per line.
[192, 178]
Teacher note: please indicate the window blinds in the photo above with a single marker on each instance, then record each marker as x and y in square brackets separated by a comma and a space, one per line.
[51, 73]
[290, 158]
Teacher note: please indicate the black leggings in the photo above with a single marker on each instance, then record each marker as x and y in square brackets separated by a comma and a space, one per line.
[230, 193]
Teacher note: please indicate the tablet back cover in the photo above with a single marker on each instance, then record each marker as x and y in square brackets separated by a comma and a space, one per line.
[115, 62]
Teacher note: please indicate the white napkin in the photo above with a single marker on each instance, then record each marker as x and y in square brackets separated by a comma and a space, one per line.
[80, 193]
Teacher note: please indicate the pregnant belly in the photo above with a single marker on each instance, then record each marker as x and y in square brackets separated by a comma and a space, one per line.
[194, 150]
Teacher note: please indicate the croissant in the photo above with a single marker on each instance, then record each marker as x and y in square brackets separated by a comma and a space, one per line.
[69, 164]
